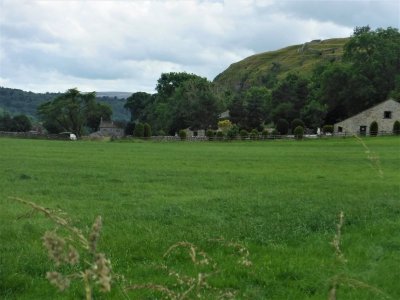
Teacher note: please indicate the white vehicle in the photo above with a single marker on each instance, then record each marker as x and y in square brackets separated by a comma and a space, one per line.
[68, 136]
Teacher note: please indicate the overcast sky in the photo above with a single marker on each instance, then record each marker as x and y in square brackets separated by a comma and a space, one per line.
[124, 45]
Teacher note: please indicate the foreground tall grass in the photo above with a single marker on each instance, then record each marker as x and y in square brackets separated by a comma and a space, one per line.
[279, 199]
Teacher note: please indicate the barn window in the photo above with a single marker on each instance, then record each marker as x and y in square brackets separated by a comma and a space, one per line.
[340, 129]
[387, 115]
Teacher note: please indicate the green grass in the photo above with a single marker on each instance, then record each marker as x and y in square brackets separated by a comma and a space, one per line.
[280, 199]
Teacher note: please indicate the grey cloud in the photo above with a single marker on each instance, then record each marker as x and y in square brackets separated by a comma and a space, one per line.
[381, 13]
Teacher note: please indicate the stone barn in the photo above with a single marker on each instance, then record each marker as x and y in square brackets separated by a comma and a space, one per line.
[384, 114]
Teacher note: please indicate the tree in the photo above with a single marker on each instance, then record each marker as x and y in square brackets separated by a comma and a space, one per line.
[169, 82]
[237, 111]
[129, 128]
[136, 104]
[298, 132]
[289, 97]
[282, 126]
[72, 111]
[233, 132]
[196, 106]
[374, 56]
[161, 111]
[147, 130]
[182, 134]
[95, 112]
[330, 90]
[139, 130]
[295, 123]
[256, 99]
[313, 113]
[21, 123]
[6, 122]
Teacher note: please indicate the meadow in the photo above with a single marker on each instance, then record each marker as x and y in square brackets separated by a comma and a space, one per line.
[279, 200]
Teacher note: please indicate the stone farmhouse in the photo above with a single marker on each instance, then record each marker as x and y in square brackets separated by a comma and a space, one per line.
[385, 114]
[108, 128]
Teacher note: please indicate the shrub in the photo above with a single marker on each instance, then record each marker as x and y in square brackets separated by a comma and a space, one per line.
[182, 134]
[327, 129]
[225, 125]
[210, 134]
[220, 135]
[233, 132]
[299, 132]
[254, 134]
[264, 134]
[297, 122]
[139, 130]
[282, 126]
[396, 128]
[243, 134]
[147, 130]
[129, 128]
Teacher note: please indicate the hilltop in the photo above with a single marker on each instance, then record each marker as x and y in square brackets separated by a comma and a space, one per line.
[266, 68]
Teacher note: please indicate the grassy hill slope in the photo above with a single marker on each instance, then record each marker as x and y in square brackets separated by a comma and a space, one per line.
[264, 68]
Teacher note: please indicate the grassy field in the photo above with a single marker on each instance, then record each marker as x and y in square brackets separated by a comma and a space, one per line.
[279, 199]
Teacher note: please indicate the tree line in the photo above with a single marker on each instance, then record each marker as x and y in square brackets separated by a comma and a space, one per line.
[368, 73]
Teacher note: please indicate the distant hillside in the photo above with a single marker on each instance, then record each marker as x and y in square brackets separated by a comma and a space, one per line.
[119, 95]
[265, 68]
[17, 101]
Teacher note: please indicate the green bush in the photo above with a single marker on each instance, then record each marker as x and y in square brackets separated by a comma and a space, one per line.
[220, 135]
[373, 129]
[182, 134]
[147, 130]
[254, 134]
[396, 128]
[299, 132]
[296, 123]
[327, 129]
[139, 130]
[233, 132]
[243, 134]
[210, 134]
[129, 128]
[282, 126]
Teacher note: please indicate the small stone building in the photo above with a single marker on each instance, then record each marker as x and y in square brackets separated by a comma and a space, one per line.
[108, 128]
[385, 114]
